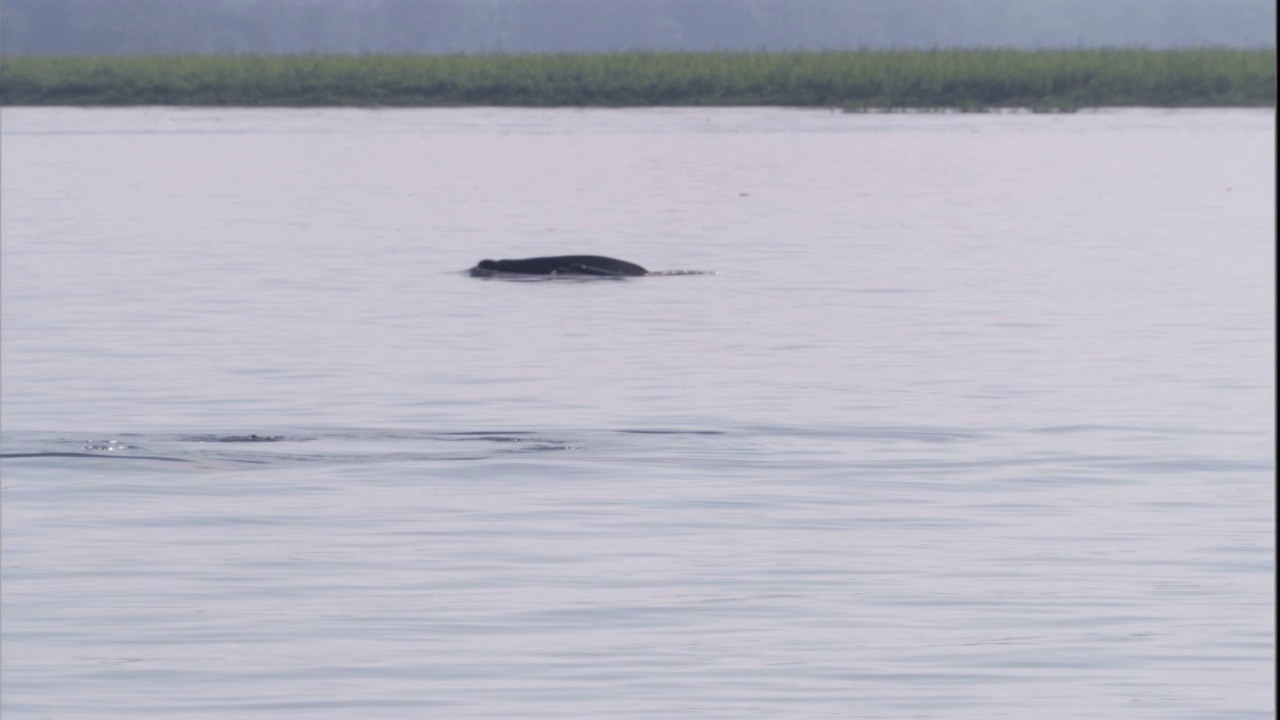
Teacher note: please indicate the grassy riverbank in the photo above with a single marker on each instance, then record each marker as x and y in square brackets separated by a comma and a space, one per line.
[938, 79]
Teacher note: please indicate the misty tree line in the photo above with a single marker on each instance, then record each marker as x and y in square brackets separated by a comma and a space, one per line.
[551, 26]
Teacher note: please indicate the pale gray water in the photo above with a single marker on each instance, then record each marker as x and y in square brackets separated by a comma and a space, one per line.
[975, 419]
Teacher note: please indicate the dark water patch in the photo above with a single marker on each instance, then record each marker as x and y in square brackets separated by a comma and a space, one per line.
[502, 433]
[672, 432]
[89, 455]
[1102, 428]
[251, 438]
[490, 437]
[858, 449]
[351, 446]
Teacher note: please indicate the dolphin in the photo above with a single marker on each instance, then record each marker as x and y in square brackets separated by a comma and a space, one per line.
[594, 265]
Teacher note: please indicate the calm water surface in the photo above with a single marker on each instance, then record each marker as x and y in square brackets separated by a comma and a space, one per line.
[974, 420]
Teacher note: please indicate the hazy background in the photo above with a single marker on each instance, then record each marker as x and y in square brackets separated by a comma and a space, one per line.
[474, 26]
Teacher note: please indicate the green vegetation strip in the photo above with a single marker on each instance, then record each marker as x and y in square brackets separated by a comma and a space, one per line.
[938, 79]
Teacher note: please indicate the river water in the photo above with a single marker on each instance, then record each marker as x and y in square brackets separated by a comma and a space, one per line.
[973, 420]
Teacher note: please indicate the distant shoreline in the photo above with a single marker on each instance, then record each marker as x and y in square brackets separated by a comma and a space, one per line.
[967, 80]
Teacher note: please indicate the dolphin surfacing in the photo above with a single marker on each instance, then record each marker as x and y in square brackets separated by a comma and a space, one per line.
[590, 265]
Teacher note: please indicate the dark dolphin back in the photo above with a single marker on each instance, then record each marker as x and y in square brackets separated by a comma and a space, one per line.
[561, 265]
[598, 265]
